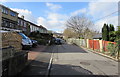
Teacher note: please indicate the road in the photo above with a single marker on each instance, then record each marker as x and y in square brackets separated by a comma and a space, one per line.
[71, 60]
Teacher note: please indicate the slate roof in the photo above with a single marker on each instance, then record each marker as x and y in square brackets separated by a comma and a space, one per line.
[97, 36]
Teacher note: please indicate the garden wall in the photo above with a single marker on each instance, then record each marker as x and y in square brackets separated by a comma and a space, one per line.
[100, 46]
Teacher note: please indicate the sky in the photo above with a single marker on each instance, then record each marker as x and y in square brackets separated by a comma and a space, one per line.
[53, 15]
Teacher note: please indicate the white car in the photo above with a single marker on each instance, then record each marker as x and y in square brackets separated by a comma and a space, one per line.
[26, 42]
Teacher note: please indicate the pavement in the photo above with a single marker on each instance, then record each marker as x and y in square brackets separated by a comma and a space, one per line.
[68, 60]
[38, 59]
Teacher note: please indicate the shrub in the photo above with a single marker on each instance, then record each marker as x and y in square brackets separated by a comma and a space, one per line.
[112, 49]
[42, 41]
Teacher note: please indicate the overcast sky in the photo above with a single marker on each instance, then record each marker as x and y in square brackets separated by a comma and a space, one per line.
[53, 15]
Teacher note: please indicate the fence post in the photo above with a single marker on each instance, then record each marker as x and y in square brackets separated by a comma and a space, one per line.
[79, 42]
[101, 46]
[93, 44]
[87, 43]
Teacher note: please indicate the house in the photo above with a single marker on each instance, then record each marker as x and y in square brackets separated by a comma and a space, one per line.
[33, 27]
[97, 36]
[9, 17]
[57, 35]
[23, 25]
[42, 29]
[10, 20]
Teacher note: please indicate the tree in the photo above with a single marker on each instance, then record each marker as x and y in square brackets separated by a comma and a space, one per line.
[111, 28]
[118, 40]
[118, 33]
[50, 31]
[79, 24]
[112, 35]
[88, 34]
[69, 33]
[105, 32]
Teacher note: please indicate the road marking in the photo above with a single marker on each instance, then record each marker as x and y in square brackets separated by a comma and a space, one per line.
[50, 63]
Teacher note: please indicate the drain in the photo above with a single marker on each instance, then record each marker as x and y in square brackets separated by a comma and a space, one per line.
[84, 63]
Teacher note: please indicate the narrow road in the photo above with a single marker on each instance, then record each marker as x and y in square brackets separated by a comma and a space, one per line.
[73, 60]
[70, 60]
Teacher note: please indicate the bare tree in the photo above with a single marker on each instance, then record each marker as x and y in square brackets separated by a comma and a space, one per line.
[79, 24]
[68, 33]
[88, 34]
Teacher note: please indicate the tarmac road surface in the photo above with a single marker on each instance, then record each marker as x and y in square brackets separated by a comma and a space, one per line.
[70, 60]
[73, 60]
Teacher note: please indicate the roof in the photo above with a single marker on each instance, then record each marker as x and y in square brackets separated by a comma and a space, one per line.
[57, 33]
[33, 23]
[42, 27]
[97, 36]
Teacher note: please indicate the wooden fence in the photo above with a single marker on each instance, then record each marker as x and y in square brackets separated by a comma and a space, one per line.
[99, 46]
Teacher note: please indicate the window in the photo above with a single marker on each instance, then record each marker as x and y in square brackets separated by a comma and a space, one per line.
[12, 13]
[4, 10]
[18, 21]
[3, 23]
[24, 29]
[24, 24]
[10, 24]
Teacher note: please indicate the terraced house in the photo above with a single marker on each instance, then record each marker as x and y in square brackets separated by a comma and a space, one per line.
[42, 29]
[9, 18]
[24, 25]
[34, 27]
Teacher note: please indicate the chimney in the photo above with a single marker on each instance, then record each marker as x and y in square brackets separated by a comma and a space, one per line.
[22, 17]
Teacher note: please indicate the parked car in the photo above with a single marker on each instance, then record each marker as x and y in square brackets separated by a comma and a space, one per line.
[34, 43]
[58, 41]
[26, 42]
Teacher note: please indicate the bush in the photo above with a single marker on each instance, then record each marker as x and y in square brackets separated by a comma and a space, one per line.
[42, 41]
[112, 49]
[40, 37]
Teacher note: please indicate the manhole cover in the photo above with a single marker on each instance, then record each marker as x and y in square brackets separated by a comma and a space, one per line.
[84, 63]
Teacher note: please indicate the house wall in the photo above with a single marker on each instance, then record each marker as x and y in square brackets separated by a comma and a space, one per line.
[23, 25]
[33, 28]
[9, 18]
